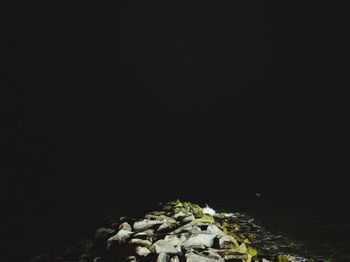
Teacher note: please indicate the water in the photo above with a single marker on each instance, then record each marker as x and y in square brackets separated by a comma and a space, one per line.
[317, 232]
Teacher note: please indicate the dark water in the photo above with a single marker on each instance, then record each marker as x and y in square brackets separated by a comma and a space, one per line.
[318, 231]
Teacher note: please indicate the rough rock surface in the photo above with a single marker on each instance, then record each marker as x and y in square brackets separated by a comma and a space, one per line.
[179, 232]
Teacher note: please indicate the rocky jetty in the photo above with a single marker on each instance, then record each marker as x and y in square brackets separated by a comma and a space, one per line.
[179, 231]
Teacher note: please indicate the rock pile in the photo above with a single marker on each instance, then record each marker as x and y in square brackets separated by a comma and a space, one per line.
[180, 231]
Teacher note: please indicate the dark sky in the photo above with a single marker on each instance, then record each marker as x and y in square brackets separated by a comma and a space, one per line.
[165, 99]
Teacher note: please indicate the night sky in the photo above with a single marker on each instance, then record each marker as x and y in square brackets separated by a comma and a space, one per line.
[210, 100]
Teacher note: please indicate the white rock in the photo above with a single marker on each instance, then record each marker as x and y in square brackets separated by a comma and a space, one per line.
[179, 215]
[120, 237]
[200, 240]
[189, 218]
[163, 257]
[175, 259]
[148, 232]
[192, 257]
[145, 224]
[162, 246]
[142, 251]
[212, 229]
[140, 242]
[227, 242]
[125, 226]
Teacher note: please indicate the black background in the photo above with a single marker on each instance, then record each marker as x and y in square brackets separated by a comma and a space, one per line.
[121, 105]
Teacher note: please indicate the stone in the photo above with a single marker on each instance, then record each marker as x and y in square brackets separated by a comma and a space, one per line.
[104, 233]
[227, 242]
[192, 257]
[199, 240]
[173, 240]
[179, 215]
[164, 226]
[142, 251]
[125, 226]
[212, 229]
[148, 232]
[211, 253]
[163, 257]
[175, 259]
[162, 246]
[189, 218]
[145, 224]
[131, 259]
[119, 238]
[193, 226]
[140, 242]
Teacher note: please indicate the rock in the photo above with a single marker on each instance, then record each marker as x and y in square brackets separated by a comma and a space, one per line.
[192, 257]
[131, 259]
[166, 226]
[212, 229]
[241, 249]
[125, 226]
[179, 215]
[100, 238]
[97, 259]
[119, 238]
[104, 233]
[148, 232]
[227, 242]
[193, 227]
[161, 218]
[199, 240]
[189, 218]
[235, 258]
[173, 240]
[142, 251]
[175, 259]
[211, 253]
[140, 242]
[163, 257]
[163, 246]
[145, 224]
